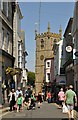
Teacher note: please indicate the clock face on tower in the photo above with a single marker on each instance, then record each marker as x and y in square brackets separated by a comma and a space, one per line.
[41, 57]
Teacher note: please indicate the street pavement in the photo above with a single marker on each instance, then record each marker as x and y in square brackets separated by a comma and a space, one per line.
[46, 111]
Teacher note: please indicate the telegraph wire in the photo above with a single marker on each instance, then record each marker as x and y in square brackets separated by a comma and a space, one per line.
[39, 15]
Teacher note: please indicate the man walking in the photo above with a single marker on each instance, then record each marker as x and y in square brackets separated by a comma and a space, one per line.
[69, 99]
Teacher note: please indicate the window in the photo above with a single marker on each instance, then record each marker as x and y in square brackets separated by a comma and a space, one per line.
[62, 71]
[18, 64]
[48, 64]
[7, 9]
[7, 41]
[42, 43]
[48, 75]
[18, 46]
[19, 59]
[1, 4]
[55, 41]
[2, 37]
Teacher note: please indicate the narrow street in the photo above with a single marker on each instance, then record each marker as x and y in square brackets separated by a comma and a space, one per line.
[46, 111]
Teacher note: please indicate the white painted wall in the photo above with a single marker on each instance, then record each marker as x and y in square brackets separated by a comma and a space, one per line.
[47, 69]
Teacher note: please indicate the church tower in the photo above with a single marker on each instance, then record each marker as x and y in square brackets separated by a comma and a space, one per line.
[44, 50]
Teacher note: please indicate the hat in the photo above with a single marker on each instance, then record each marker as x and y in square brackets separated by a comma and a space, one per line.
[70, 86]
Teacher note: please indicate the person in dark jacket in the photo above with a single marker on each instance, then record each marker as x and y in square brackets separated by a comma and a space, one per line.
[39, 99]
[12, 99]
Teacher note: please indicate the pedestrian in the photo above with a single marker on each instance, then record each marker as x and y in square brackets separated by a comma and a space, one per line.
[61, 97]
[18, 91]
[22, 102]
[69, 99]
[39, 99]
[12, 99]
[49, 97]
[29, 104]
[33, 101]
[19, 102]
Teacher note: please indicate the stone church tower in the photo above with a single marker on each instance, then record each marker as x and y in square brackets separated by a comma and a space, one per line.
[44, 50]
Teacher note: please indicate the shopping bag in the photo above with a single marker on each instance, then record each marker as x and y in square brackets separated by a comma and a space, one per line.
[65, 109]
[15, 106]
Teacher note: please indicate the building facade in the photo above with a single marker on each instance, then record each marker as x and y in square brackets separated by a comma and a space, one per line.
[23, 63]
[68, 65]
[49, 70]
[6, 45]
[75, 45]
[44, 50]
[17, 44]
[70, 50]
[59, 72]
[12, 49]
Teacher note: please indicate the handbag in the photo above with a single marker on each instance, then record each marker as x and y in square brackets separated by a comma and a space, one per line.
[65, 109]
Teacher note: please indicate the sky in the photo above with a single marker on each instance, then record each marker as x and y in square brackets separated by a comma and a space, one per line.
[36, 16]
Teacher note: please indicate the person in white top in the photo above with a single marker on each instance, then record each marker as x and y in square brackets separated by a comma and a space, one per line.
[18, 91]
[12, 99]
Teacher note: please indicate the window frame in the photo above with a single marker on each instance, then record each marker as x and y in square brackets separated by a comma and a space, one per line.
[2, 37]
[48, 76]
[48, 65]
[7, 41]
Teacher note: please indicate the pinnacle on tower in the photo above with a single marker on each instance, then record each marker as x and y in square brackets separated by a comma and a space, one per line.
[48, 27]
[60, 32]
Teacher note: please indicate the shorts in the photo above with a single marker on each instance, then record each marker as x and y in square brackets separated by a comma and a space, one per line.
[19, 105]
[70, 106]
[61, 102]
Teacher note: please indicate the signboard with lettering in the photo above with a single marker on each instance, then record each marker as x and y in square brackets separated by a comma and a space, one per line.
[62, 82]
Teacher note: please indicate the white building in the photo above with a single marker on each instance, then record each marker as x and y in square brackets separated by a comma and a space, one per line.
[47, 71]
[17, 47]
[22, 56]
[6, 49]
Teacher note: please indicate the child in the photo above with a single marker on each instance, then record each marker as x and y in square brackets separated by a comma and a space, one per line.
[22, 102]
[19, 102]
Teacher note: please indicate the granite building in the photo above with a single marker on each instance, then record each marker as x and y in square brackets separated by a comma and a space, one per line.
[44, 51]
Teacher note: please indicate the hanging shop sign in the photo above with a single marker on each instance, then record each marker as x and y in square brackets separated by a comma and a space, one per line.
[68, 48]
[62, 82]
[76, 53]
